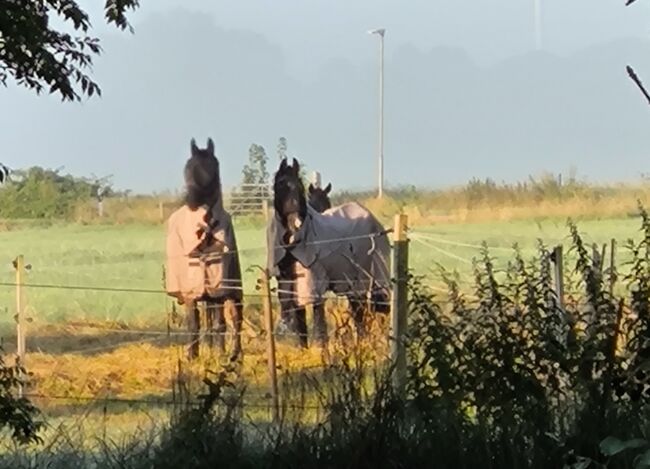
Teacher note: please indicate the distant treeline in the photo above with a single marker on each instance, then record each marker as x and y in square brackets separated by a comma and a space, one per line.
[42, 193]
[45, 194]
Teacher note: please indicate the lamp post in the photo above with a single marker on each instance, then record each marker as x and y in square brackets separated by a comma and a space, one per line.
[537, 6]
[381, 33]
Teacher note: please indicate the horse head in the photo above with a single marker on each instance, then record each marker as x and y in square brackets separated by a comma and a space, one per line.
[319, 198]
[202, 176]
[289, 198]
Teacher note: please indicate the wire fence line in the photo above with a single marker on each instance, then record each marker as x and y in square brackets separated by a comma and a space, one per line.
[95, 288]
[443, 251]
[319, 242]
[112, 345]
[152, 336]
[158, 291]
[370, 236]
[427, 236]
[242, 404]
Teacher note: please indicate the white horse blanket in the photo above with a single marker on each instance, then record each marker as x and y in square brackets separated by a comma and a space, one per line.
[213, 273]
[344, 250]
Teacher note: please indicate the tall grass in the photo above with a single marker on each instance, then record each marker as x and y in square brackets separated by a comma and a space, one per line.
[507, 378]
[478, 200]
[486, 200]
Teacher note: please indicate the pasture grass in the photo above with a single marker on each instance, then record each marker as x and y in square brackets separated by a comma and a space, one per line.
[131, 257]
[104, 343]
[85, 343]
[511, 380]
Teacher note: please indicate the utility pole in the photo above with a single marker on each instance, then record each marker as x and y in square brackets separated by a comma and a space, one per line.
[538, 24]
[381, 33]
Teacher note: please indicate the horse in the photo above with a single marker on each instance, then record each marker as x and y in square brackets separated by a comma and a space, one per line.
[319, 198]
[4, 174]
[344, 250]
[202, 259]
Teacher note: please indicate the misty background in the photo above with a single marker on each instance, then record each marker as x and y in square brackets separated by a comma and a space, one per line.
[467, 93]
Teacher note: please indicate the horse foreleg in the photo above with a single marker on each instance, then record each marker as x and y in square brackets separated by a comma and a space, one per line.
[358, 310]
[288, 307]
[193, 320]
[300, 326]
[210, 312]
[220, 331]
[320, 325]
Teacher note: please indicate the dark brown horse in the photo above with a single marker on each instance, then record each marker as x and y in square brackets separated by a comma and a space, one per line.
[319, 198]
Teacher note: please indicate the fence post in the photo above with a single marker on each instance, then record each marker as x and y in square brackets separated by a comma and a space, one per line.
[19, 265]
[265, 209]
[612, 268]
[161, 210]
[270, 343]
[167, 312]
[558, 262]
[399, 303]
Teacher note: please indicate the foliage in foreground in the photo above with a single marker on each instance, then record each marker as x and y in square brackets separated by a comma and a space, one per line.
[38, 53]
[17, 414]
[509, 379]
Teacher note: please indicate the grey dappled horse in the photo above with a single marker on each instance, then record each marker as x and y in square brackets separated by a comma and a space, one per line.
[344, 250]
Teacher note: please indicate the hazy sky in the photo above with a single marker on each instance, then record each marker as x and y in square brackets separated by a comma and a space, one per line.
[254, 70]
[313, 31]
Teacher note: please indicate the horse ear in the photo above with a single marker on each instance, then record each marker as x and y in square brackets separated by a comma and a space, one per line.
[311, 188]
[296, 167]
[283, 164]
[328, 188]
[195, 149]
[210, 147]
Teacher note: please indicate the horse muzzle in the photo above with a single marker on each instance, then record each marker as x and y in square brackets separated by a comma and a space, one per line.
[294, 223]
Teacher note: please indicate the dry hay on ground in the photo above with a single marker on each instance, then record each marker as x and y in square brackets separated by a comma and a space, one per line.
[85, 362]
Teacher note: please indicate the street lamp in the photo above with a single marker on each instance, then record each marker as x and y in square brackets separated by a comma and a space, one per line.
[538, 24]
[381, 33]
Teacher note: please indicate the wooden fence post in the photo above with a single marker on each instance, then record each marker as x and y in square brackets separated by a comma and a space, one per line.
[270, 343]
[399, 305]
[161, 211]
[19, 265]
[558, 262]
[612, 267]
[265, 210]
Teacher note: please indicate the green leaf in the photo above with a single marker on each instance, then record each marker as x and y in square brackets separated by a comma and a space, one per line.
[583, 463]
[636, 443]
[642, 460]
[611, 446]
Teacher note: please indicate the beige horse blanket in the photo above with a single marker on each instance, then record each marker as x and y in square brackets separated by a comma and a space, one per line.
[344, 250]
[213, 272]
